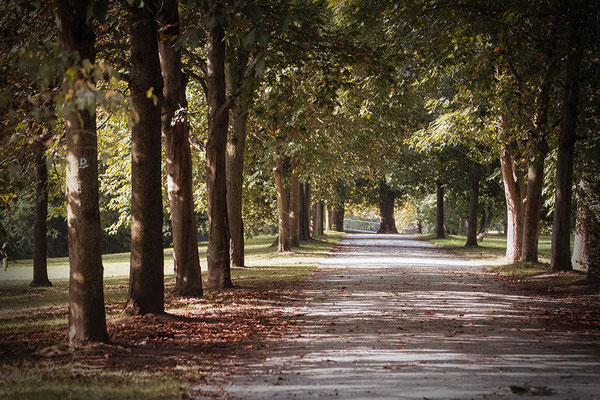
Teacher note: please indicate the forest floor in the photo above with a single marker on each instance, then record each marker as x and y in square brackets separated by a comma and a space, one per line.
[389, 316]
[383, 316]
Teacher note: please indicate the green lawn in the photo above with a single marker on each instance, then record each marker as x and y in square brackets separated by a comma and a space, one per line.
[493, 246]
[492, 251]
[31, 319]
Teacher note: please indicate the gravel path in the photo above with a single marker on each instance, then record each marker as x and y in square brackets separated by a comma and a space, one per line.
[388, 316]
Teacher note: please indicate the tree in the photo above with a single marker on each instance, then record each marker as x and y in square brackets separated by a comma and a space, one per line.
[387, 197]
[284, 241]
[217, 254]
[560, 259]
[40, 265]
[87, 321]
[146, 281]
[473, 206]
[440, 231]
[175, 132]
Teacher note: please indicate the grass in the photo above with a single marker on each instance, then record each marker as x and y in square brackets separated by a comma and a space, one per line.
[531, 275]
[32, 318]
[47, 381]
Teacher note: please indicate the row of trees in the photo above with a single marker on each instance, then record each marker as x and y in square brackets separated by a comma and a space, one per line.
[298, 111]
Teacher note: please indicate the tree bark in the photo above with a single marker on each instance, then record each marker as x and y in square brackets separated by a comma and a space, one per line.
[337, 217]
[560, 257]
[217, 254]
[284, 244]
[146, 279]
[329, 218]
[439, 210]
[175, 132]
[315, 219]
[321, 214]
[484, 225]
[40, 266]
[234, 160]
[305, 211]
[513, 190]
[473, 206]
[581, 247]
[87, 319]
[535, 174]
[387, 197]
[294, 215]
[533, 205]
[235, 168]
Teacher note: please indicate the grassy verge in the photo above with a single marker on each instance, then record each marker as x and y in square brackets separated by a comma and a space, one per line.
[531, 275]
[148, 357]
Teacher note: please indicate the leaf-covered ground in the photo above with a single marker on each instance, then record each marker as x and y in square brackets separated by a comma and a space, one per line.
[154, 356]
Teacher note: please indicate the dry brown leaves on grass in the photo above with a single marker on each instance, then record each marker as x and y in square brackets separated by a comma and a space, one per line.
[225, 325]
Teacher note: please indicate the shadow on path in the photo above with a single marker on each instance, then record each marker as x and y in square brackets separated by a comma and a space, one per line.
[389, 316]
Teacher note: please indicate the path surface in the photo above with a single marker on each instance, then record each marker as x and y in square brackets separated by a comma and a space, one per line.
[392, 317]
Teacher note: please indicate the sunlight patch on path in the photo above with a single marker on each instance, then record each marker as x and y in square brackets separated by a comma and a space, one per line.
[388, 316]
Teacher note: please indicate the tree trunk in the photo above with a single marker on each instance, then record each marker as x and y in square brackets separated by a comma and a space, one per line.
[175, 131]
[234, 157]
[314, 219]
[304, 211]
[321, 222]
[387, 223]
[337, 217]
[484, 225]
[294, 209]
[473, 205]
[560, 257]
[284, 244]
[329, 218]
[532, 208]
[235, 168]
[87, 319]
[581, 247]
[535, 175]
[439, 211]
[513, 190]
[146, 279]
[40, 266]
[217, 254]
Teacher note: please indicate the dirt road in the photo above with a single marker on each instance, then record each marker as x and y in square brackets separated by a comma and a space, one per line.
[388, 316]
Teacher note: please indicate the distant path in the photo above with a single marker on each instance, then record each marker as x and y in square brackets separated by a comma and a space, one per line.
[392, 317]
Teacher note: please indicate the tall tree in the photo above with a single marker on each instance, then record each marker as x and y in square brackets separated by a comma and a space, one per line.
[473, 207]
[305, 211]
[236, 142]
[40, 265]
[279, 172]
[175, 132]
[512, 177]
[387, 197]
[439, 210]
[146, 279]
[294, 204]
[539, 150]
[217, 254]
[560, 258]
[87, 320]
